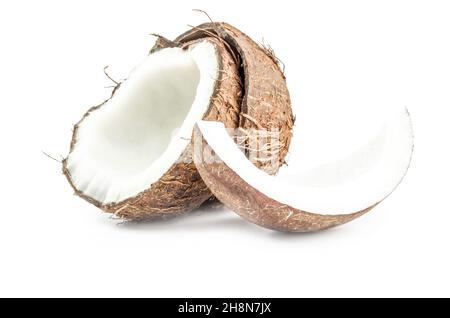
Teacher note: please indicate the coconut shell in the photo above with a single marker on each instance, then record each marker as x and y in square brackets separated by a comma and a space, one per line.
[253, 205]
[181, 188]
[266, 105]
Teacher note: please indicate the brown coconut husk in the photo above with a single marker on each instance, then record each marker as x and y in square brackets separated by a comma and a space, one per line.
[181, 188]
[253, 205]
[266, 105]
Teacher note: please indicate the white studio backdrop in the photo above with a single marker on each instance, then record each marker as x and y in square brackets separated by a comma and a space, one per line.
[343, 60]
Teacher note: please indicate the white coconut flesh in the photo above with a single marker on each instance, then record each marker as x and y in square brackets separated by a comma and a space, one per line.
[360, 180]
[136, 136]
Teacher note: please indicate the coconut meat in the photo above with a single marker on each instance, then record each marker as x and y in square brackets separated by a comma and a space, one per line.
[133, 139]
[363, 178]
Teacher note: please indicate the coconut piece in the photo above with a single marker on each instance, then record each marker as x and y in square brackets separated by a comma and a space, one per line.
[266, 114]
[299, 203]
[132, 154]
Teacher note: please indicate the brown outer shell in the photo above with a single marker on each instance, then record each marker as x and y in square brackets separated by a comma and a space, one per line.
[266, 104]
[181, 188]
[253, 205]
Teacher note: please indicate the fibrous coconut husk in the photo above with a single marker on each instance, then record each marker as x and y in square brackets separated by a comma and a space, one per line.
[266, 105]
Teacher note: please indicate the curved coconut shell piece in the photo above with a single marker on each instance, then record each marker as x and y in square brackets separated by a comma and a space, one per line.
[266, 118]
[181, 188]
[295, 203]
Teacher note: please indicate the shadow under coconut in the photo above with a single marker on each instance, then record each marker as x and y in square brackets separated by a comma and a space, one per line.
[277, 235]
[214, 215]
[210, 215]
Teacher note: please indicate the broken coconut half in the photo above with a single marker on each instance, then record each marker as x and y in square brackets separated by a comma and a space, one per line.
[132, 155]
[329, 195]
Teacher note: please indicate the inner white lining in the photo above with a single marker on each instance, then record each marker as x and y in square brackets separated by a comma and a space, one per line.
[364, 178]
[135, 137]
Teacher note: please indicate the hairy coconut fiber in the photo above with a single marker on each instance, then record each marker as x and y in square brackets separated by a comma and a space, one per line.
[266, 105]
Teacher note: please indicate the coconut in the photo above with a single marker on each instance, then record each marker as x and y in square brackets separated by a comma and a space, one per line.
[132, 154]
[324, 197]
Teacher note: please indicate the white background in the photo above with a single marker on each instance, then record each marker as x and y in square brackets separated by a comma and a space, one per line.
[338, 54]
